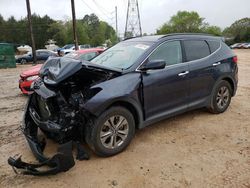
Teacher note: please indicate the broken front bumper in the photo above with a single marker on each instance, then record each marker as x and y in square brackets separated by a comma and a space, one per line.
[62, 161]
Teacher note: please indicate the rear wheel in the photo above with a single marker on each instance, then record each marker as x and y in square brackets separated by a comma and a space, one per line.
[111, 132]
[221, 97]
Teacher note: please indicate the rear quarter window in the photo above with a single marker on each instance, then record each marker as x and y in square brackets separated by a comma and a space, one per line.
[196, 49]
[214, 45]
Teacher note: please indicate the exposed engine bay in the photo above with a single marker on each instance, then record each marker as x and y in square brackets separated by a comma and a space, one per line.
[56, 109]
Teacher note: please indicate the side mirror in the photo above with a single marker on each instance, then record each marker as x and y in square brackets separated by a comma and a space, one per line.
[153, 65]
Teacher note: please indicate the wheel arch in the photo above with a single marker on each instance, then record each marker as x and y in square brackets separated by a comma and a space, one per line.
[227, 78]
[134, 110]
[231, 82]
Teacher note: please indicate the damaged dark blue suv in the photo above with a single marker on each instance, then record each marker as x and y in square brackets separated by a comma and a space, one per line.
[131, 85]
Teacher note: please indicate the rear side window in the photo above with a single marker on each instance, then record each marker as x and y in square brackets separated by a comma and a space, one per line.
[44, 53]
[196, 49]
[214, 45]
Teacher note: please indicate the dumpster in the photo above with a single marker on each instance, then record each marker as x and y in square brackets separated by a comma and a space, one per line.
[7, 56]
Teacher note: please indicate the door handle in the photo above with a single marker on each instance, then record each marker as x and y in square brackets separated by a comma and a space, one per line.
[216, 64]
[183, 73]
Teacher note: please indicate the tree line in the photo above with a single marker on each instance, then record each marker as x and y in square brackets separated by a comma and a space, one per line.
[191, 22]
[90, 30]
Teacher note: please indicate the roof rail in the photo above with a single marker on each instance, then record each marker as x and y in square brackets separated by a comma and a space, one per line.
[172, 34]
[131, 38]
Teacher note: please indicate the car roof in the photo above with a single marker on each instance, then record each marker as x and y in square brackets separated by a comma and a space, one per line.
[43, 50]
[89, 50]
[155, 38]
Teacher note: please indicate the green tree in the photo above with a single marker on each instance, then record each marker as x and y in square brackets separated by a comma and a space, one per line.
[183, 21]
[40, 27]
[214, 30]
[82, 34]
[12, 30]
[57, 32]
[188, 22]
[98, 31]
[90, 30]
[239, 31]
[2, 31]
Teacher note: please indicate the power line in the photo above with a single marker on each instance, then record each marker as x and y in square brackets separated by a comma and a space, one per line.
[111, 20]
[23, 26]
[88, 6]
[101, 8]
[91, 9]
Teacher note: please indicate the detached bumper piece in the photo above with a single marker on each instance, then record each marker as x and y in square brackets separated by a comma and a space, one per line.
[62, 161]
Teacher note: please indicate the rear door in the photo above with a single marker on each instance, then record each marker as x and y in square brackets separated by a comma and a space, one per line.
[44, 55]
[38, 55]
[165, 91]
[201, 67]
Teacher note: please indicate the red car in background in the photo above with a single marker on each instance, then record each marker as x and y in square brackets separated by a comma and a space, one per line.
[29, 75]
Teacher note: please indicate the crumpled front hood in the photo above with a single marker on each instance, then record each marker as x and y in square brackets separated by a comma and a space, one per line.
[56, 70]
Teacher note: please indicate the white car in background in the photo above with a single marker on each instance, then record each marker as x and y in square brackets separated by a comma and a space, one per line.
[68, 49]
[246, 46]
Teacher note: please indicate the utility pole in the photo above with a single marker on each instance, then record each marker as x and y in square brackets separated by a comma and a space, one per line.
[74, 24]
[31, 32]
[133, 21]
[116, 25]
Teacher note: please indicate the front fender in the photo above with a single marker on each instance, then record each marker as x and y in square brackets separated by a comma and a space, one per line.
[125, 88]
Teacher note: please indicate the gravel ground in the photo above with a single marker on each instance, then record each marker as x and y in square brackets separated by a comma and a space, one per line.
[195, 149]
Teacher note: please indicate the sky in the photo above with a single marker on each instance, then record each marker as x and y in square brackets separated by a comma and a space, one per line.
[153, 14]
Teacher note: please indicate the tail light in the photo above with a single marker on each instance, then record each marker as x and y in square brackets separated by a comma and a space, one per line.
[235, 59]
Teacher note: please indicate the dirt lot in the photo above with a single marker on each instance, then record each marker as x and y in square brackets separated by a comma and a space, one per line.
[196, 149]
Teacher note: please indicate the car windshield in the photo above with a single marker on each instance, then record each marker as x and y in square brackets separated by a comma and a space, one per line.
[123, 55]
[72, 55]
[68, 46]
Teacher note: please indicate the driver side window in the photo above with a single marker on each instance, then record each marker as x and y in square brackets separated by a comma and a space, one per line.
[168, 51]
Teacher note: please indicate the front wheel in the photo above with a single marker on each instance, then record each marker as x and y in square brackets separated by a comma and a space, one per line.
[221, 97]
[111, 132]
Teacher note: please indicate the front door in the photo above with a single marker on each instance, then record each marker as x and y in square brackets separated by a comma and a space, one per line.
[165, 91]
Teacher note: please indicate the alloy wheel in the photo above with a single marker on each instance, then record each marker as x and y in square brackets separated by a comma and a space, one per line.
[222, 97]
[114, 132]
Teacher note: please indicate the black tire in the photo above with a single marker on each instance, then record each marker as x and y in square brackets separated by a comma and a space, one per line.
[222, 87]
[23, 61]
[94, 130]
